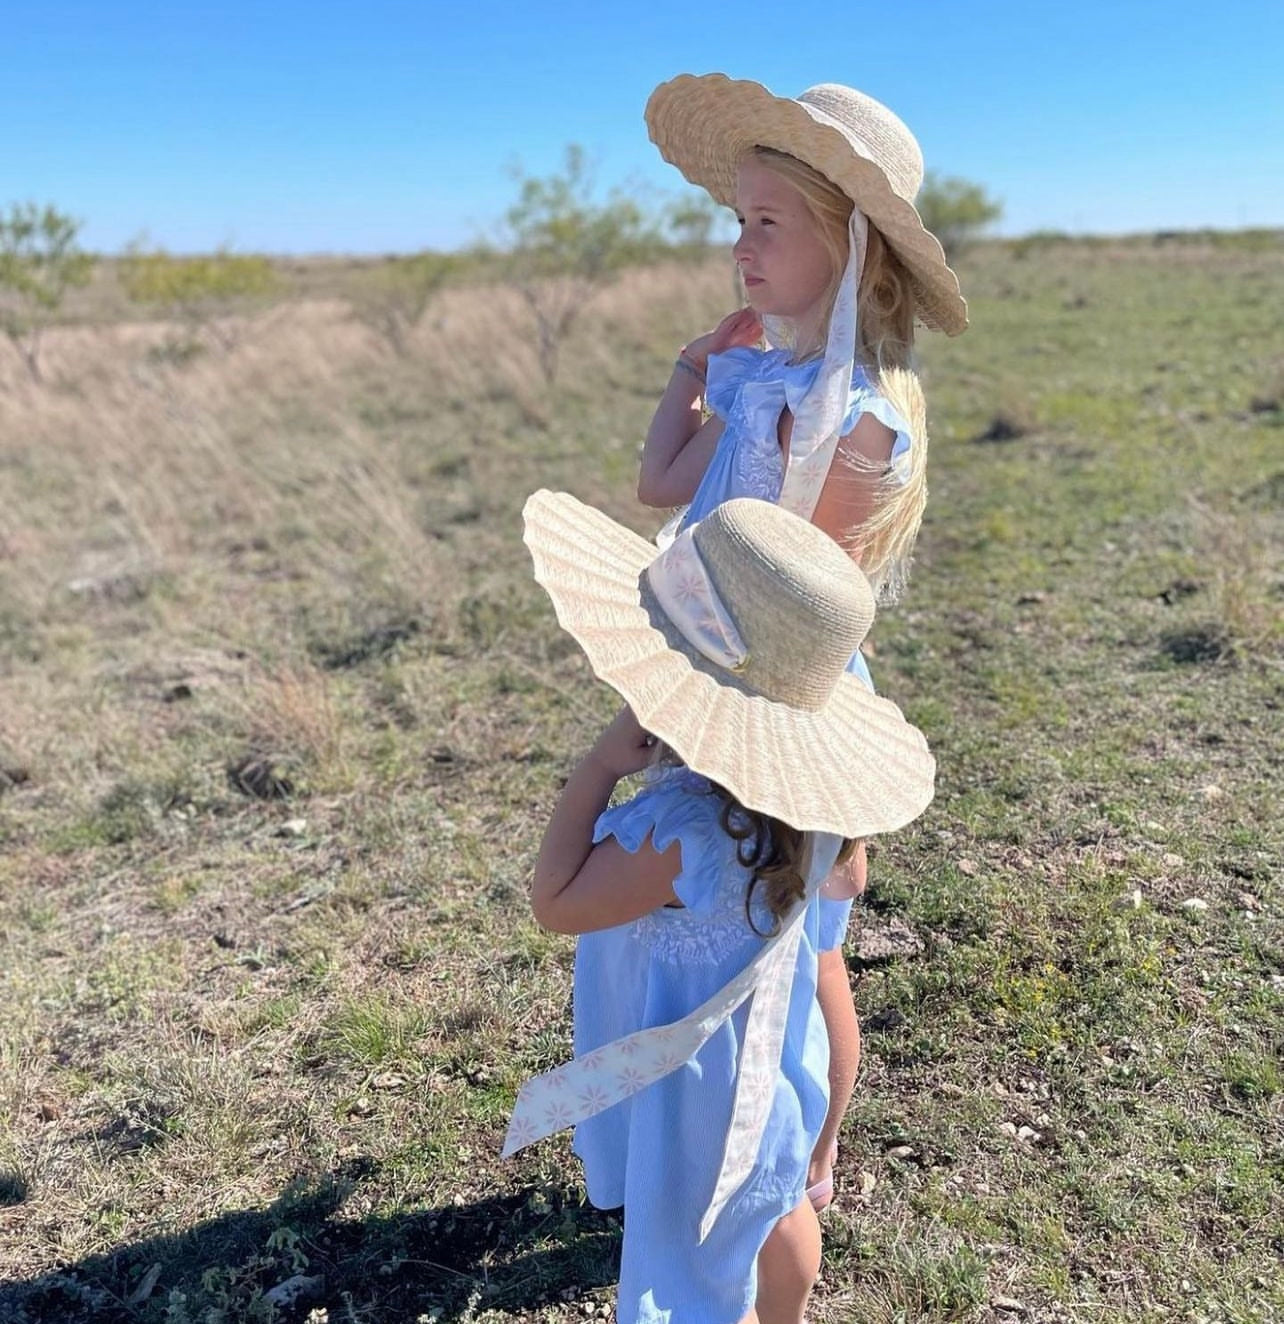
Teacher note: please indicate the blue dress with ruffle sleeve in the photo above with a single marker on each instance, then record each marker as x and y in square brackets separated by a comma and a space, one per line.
[748, 389]
[658, 1152]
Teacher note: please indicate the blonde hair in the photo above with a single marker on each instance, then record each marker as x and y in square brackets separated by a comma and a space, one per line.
[883, 543]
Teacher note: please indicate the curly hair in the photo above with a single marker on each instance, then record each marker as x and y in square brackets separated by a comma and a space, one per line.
[774, 851]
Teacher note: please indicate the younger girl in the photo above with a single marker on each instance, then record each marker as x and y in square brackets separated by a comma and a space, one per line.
[828, 419]
[699, 1085]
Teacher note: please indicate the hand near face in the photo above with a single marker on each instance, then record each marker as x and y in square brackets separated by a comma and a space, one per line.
[740, 329]
[624, 747]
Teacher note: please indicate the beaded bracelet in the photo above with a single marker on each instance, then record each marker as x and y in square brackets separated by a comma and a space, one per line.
[687, 366]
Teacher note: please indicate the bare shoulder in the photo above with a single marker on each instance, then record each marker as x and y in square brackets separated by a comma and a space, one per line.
[870, 438]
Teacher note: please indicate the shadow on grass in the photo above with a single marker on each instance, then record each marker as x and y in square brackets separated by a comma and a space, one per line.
[509, 1253]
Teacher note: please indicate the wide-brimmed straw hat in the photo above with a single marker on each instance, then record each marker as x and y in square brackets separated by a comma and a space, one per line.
[776, 720]
[706, 124]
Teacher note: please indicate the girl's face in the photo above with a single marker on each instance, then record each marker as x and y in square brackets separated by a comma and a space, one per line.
[781, 256]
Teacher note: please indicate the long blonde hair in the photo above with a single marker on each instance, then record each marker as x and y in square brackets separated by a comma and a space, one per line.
[883, 543]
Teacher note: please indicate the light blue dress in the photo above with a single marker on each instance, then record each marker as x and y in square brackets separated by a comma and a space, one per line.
[658, 1152]
[748, 389]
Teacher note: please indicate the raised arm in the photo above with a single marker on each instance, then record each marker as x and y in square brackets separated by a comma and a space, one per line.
[678, 445]
[577, 886]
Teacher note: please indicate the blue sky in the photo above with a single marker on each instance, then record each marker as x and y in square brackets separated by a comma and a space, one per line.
[376, 127]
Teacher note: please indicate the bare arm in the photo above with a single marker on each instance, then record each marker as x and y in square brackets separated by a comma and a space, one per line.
[846, 501]
[850, 493]
[579, 887]
[678, 446]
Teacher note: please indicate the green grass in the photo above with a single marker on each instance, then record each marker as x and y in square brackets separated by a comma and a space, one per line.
[247, 1038]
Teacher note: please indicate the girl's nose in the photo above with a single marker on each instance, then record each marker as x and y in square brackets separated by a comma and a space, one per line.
[740, 249]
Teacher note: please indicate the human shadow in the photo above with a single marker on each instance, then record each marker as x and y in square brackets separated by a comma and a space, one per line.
[510, 1253]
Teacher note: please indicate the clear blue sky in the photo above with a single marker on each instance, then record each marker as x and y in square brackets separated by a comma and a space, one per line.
[379, 126]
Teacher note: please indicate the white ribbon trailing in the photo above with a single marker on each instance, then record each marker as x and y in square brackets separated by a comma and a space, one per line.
[590, 1084]
[682, 586]
[820, 414]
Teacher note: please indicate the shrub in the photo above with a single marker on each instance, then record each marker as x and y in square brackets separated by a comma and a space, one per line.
[39, 262]
[196, 290]
[955, 210]
[566, 247]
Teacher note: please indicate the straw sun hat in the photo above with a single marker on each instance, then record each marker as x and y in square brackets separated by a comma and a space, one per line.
[706, 124]
[778, 721]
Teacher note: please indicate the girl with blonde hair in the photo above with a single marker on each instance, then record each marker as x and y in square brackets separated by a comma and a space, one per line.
[811, 392]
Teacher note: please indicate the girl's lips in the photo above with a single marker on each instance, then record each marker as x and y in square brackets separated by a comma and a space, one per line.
[752, 280]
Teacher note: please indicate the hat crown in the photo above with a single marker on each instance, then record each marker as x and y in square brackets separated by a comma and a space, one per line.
[876, 132]
[799, 603]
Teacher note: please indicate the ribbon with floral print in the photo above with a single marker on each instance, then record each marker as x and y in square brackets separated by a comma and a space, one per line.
[815, 434]
[682, 586]
[603, 1077]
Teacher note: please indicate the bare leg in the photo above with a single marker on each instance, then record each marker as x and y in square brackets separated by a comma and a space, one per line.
[833, 993]
[787, 1267]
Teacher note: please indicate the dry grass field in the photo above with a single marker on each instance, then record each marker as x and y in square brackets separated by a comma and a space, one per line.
[282, 713]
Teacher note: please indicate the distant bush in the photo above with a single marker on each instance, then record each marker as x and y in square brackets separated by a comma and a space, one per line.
[39, 262]
[955, 210]
[393, 298]
[692, 221]
[565, 247]
[196, 290]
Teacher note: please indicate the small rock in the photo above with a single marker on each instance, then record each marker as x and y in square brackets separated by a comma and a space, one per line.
[1212, 792]
[1129, 900]
[901, 1152]
[1154, 827]
[867, 1183]
[1195, 904]
[1031, 598]
[1009, 1304]
[1171, 861]
[1008, 1129]
[967, 868]
[884, 940]
[293, 827]
[1028, 1135]
[1247, 901]
[290, 1291]
[145, 1287]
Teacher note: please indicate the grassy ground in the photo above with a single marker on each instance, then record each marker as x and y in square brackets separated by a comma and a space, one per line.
[281, 714]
